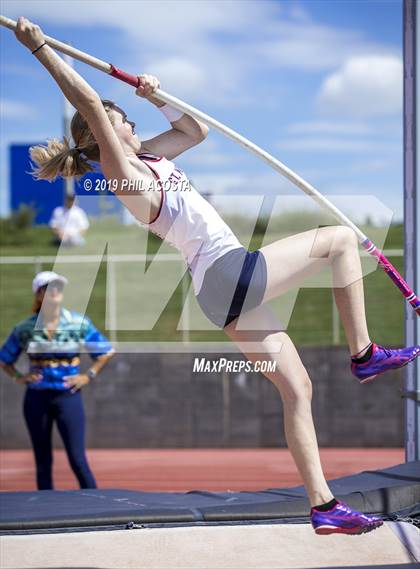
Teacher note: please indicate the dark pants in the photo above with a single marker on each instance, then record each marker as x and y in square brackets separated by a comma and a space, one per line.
[41, 408]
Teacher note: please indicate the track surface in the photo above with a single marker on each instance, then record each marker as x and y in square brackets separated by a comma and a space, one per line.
[186, 469]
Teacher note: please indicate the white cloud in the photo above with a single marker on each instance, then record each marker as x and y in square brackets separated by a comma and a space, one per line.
[305, 44]
[16, 110]
[206, 158]
[364, 86]
[380, 205]
[210, 154]
[215, 47]
[239, 183]
[220, 183]
[227, 56]
[180, 44]
[297, 12]
[160, 22]
[330, 127]
[170, 70]
[355, 203]
[336, 144]
[375, 165]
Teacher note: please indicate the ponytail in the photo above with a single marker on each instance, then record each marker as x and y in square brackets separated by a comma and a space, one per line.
[58, 159]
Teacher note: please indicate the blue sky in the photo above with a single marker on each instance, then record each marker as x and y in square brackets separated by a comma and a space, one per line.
[317, 83]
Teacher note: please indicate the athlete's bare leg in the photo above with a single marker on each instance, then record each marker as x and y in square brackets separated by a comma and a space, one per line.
[291, 260]
[295, 388]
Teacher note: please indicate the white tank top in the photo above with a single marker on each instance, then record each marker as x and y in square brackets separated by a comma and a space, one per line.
[187, 221]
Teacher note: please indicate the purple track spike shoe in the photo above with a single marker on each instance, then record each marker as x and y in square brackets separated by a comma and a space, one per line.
[342, 519]
[382, 360]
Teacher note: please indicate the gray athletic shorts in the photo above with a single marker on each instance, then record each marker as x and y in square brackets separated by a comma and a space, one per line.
[233, 284]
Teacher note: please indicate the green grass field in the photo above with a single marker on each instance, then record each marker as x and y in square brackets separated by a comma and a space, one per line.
[311, 320]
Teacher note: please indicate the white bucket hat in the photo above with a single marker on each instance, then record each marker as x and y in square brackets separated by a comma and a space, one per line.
[45, 277]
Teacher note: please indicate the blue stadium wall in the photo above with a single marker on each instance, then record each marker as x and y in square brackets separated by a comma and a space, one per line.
[45, 196]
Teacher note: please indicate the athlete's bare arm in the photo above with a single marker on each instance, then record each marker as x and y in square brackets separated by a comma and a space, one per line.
[82, 97]
[185, 133]
[114, 163]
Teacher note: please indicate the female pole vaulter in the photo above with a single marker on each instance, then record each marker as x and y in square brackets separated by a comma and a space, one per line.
[228, 280]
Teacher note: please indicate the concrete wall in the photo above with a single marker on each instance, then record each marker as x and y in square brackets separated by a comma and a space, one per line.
[156, 400]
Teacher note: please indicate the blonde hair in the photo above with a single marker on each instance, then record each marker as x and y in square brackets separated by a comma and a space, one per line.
[58, 158]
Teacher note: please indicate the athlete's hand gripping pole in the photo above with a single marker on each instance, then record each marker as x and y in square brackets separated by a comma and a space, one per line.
[390, 270]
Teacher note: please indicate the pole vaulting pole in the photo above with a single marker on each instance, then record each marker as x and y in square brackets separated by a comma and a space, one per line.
[133, 80]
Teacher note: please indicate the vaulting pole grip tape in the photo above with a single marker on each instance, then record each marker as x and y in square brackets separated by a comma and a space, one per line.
[123, 76]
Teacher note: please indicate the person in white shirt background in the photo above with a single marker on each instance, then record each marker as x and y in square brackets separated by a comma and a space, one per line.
[69, 223]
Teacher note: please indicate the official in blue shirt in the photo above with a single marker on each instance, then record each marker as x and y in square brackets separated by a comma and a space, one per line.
[53, 338]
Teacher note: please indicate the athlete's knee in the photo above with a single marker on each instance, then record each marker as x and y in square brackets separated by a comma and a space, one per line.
[344, 238]
[333, 241]
[294, 390]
